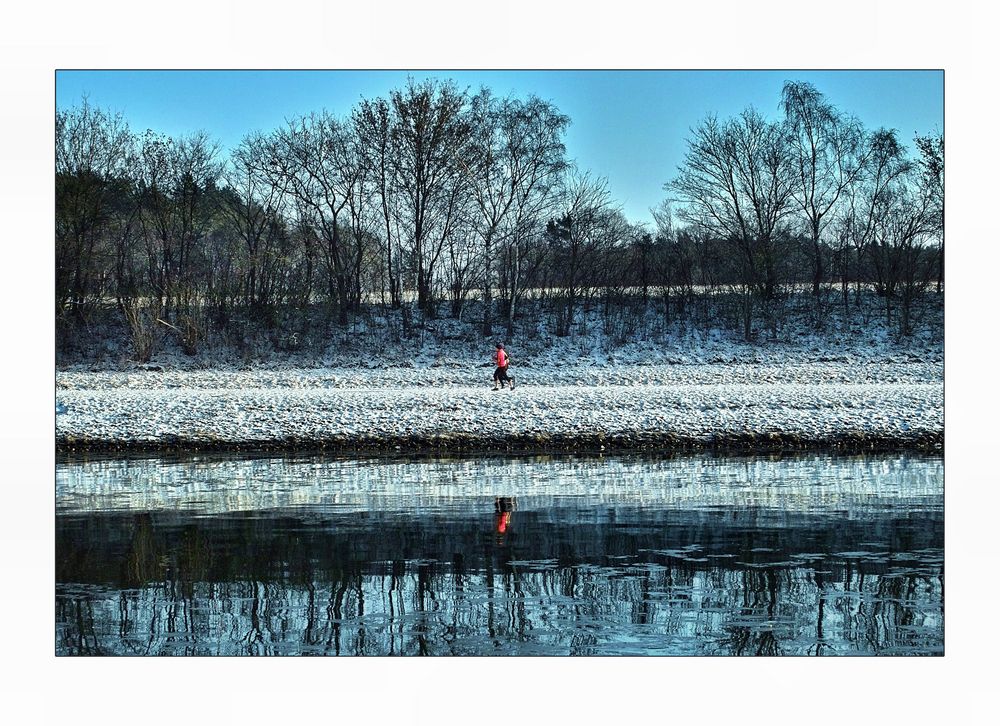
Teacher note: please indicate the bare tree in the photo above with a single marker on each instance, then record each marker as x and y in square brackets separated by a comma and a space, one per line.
[466, 263]
[672, 262]
[252, 204]
[517, 162]
[429, 129]
[93, 152]
[931, 163]
[308, 156]
[868, 198]
[823, 151]
[536, 157]
[177, 190]
[905, 220]
[372, 120]
[735, 186]
[586, 225]
[361, 218]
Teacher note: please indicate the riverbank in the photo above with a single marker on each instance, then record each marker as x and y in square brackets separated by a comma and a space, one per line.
[735, 407]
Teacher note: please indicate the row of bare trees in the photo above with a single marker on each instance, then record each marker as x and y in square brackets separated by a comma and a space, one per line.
[847, 197]
[437, 196]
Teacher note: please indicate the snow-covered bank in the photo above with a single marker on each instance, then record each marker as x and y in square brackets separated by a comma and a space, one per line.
[743, 406]
[375, 341]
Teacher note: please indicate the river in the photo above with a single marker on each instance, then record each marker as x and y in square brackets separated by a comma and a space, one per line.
[313, 555]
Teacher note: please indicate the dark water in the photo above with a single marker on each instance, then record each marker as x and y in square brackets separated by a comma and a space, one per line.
[800, 556]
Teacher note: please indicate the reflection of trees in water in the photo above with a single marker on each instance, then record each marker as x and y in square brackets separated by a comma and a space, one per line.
[77, 635]
[430, 608]
[559, 582]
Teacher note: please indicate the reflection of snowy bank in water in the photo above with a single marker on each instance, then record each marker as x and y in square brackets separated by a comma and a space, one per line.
[820, 484]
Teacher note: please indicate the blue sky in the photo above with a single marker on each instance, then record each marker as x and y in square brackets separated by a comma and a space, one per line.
[629, 126]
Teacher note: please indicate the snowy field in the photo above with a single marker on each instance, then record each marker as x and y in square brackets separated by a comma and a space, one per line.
[843, 403]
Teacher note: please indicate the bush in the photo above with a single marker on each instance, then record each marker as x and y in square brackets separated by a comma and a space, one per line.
[141, 321]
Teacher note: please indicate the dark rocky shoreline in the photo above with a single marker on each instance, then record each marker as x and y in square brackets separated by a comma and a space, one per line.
[470, 444]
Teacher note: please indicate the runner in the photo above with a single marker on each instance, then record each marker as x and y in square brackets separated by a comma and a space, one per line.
[500, 377]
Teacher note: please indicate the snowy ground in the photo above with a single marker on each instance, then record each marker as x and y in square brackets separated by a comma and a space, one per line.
[373, 343]
[740, 405]
[853, 385]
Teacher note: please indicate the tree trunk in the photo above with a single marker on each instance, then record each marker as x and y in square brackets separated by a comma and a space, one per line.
[748, 316]
[514, 281]
[940, 276]
[818, 259]
[487, 299]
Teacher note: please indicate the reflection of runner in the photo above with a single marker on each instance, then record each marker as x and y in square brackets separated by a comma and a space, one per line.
[503, 507]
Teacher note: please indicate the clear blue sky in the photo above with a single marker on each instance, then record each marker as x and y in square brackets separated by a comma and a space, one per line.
[629, 126]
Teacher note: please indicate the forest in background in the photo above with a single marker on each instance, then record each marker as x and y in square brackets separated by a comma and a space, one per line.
[437, 202]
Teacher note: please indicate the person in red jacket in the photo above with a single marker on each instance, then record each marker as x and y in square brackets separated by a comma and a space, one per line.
[500, 377]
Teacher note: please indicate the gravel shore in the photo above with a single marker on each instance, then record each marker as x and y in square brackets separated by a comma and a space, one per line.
[662, 407]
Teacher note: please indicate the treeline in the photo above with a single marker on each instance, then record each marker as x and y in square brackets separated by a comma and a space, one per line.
[435, 201]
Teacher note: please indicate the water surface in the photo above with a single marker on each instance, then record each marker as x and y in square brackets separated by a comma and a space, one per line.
[813, 555]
